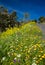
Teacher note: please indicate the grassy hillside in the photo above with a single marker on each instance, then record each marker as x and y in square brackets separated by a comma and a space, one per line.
[22, 46]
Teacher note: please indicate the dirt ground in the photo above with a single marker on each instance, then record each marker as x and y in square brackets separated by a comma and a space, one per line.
[42, 27]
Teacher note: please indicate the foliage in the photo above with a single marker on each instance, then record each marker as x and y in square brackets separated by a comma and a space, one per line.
[7, 19]
[22, 46]
[42, 19]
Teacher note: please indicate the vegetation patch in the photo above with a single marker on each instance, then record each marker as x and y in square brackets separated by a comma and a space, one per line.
[22, 46]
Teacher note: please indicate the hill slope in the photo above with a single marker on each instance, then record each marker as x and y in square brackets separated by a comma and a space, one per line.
[22, 46]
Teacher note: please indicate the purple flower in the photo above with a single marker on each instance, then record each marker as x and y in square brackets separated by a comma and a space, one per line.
[14, 60]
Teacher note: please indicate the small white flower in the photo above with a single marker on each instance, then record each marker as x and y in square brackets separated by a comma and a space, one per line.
[19, 55]
[34, 58]
[8, 54]
[15, 58]
[3, 59]
[34, 61]
[34, 64]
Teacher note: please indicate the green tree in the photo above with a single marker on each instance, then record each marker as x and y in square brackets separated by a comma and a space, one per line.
[6, 19]
[3, 17]
[42, 19]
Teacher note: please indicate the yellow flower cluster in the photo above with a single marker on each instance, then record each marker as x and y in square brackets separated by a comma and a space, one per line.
[41, 58]
[9, 32]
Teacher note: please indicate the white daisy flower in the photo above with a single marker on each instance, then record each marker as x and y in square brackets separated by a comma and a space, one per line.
[19, 55]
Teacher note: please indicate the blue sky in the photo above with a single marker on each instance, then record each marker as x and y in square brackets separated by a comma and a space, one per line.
[35, 8]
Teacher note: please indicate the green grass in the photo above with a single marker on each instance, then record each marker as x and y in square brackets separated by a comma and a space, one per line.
[22, 47]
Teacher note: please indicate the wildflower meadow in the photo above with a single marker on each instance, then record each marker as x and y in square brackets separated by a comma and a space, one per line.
[22, 46]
